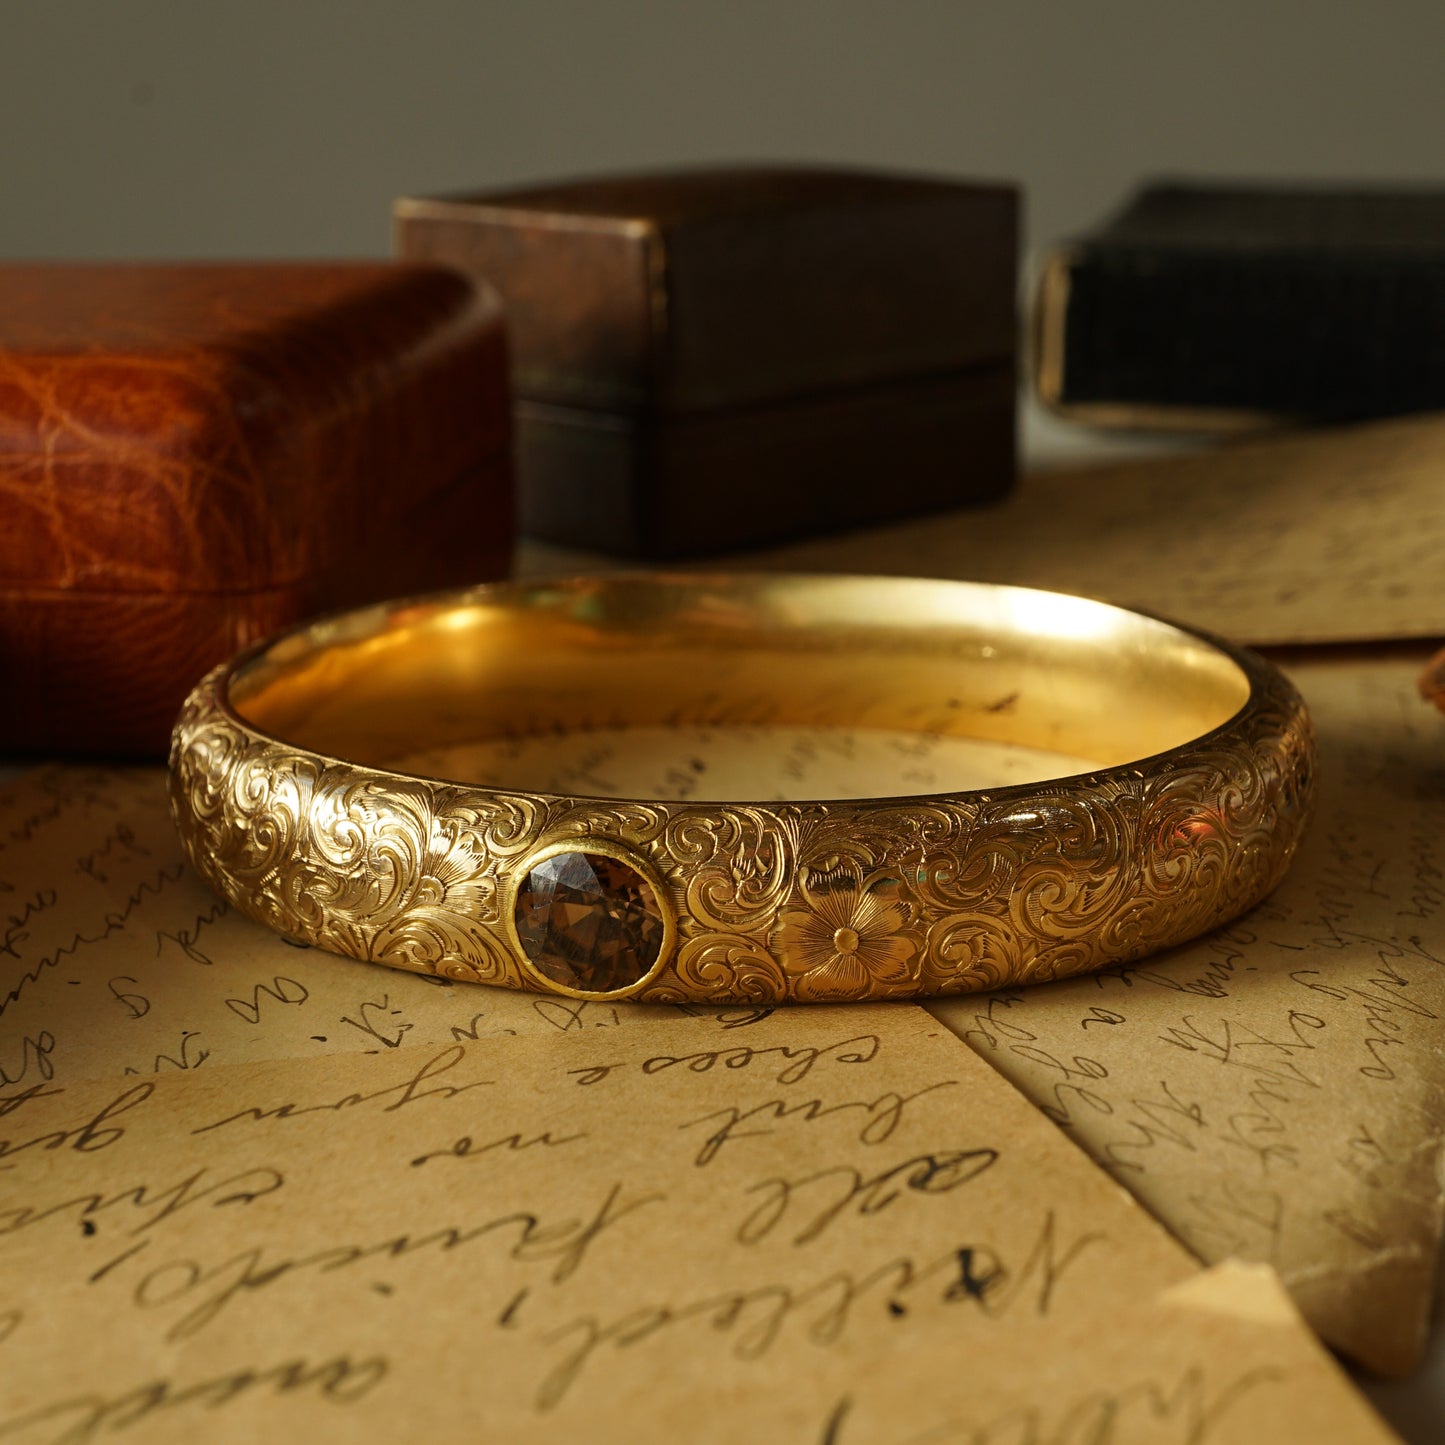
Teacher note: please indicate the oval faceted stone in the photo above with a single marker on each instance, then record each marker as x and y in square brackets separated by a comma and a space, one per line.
[588, 922]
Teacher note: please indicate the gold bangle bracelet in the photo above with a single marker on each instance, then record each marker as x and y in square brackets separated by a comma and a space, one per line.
[292, 802]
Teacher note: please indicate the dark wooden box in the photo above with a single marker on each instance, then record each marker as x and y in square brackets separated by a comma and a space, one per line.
[711, 360]
[194, 456]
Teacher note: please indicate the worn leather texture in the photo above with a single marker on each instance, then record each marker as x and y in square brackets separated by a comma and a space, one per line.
[192, 457]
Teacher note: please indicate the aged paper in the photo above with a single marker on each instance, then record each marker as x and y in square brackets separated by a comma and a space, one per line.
[518, 1238]
[1275, 1090]
[1220, 1358]
[115, 959]
[1322, 537]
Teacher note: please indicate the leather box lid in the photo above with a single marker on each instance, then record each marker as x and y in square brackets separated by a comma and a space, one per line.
[225, 428]
[713, 288]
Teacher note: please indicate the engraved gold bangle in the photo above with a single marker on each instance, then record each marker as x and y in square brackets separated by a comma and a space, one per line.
[287, 801]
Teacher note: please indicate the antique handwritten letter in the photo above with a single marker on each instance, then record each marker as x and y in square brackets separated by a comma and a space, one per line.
[1305, 538]
[521, 1237]
[115, 959]
[1223, 1357]
[1295, 1144]
[1275, 1090]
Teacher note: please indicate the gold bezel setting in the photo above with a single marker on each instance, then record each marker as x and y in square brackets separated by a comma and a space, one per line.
[604, 848]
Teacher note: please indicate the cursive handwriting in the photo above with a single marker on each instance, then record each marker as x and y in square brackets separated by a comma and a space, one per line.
[34, 1053]
[467, 1148]
[1183, 1405]
[399, 1095]
[205, 1289]
[15, 931]
[569, 1014]
[797, 1061]
[925, 1174]
[120, 844]
[282, 989]
[183, 1058]
[185, 938]
[1382, 1001]
[152, 1203]
[79, 1418]
[881, 1116]
[112, 924]
[373, 1027]
[757, 1316]
[97, 1132]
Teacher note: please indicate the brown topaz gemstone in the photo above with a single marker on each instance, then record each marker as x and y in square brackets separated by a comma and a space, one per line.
[588, 922]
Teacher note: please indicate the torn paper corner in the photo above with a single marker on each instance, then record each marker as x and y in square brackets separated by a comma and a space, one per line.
[1238, 1288]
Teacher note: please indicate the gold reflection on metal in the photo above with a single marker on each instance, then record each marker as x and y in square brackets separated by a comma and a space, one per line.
[1198, 757]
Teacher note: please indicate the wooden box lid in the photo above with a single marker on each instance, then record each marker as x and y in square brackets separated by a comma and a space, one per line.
[226, 428]
[722, 288]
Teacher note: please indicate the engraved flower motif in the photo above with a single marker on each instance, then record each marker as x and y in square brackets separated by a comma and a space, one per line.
[456, 873]
[850, 941]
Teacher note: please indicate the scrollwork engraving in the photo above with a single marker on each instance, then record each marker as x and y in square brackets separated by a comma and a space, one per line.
[772, 902]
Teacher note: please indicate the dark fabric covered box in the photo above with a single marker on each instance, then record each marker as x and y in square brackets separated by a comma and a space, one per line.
[711, 360]
[193, 456]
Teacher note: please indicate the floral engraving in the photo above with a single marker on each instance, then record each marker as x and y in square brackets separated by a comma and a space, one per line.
[770, 902]
[845, 937]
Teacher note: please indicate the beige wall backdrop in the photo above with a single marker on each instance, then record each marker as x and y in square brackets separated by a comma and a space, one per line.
[285, 127]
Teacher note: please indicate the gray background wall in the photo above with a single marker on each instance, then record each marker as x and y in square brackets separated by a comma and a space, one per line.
[208, 128]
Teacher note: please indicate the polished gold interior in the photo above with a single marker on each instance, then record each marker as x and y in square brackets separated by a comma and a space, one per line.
[413, 685]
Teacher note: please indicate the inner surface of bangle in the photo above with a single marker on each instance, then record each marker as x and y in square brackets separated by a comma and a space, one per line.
[747, 687]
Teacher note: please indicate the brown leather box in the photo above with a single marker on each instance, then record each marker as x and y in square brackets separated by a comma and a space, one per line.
[193, 456]
[710, 360]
